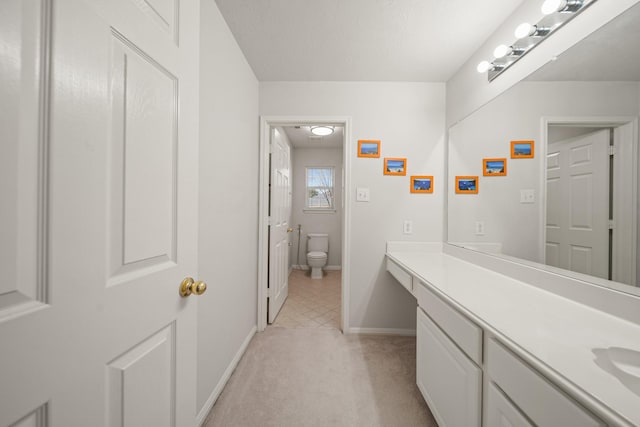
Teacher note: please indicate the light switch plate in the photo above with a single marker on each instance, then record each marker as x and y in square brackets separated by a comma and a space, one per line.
[362, 194]
[527, 196]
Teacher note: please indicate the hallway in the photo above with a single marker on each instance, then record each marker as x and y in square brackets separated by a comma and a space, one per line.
[302, 371]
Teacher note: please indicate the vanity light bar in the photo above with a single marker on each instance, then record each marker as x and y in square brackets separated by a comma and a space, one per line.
[557, 13]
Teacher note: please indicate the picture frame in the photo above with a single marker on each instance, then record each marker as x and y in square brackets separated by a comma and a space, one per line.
[522, 149]
[422, 184]
[395, 166]
[369, 148]
[494, 167]
[467, 184]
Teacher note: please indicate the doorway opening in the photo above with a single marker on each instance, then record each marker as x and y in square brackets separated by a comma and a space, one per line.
[590, 189]
[304, 194]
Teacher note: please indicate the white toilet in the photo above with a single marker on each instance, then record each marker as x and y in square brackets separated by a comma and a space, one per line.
[318, 246]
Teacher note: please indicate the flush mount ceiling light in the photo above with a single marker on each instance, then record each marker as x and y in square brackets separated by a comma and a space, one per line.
[322, 130]
[557, 13]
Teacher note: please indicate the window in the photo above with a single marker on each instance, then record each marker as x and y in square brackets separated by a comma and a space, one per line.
[320, 188]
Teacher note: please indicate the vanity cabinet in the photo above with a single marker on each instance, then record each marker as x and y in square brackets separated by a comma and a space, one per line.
[469, 377]
[449, 381]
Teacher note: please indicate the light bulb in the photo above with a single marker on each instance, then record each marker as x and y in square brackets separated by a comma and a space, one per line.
[501, 51]
[551, 6]
[524, 30]
[483, 67]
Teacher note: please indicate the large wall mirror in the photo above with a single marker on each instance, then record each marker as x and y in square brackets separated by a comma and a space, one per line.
[572, 206]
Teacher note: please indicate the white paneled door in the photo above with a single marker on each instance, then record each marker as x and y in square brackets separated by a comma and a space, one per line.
[577, 225]
[98, 122]
[279, 223]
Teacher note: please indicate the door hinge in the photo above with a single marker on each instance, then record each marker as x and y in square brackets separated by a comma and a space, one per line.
[612, 150]
[611, 225]
[269, 292]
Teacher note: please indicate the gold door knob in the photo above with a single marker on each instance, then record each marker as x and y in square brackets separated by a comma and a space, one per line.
[190, 286]
[289, 230]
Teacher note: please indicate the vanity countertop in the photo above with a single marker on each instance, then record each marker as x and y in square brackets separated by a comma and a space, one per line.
[571, 341]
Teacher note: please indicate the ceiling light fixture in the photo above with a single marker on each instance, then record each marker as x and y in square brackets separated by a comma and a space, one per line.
[557, 13]
[322, 130]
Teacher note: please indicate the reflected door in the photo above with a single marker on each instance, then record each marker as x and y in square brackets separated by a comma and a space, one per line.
[98, 215]
[577, 220]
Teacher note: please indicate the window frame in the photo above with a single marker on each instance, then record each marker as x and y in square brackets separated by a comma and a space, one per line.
[332, 188]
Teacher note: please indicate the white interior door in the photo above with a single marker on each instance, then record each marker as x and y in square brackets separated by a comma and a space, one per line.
[279, 228]
[577, 225]
[99, 213]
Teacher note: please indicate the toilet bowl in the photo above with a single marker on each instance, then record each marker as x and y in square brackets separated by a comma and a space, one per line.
[317, 247]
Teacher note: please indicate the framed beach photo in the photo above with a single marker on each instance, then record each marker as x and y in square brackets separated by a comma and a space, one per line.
[522, 149]
[422, 184]
[494, 167]
[395, 166]
[466, 185]
[368, 148]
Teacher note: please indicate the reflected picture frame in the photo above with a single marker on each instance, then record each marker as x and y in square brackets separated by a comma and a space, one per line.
[466, 184]
[369, 148]
[395, 166]
[494, 167]
[522, 149]
[422, 184]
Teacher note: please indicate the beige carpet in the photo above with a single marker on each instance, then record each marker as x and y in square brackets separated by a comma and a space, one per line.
[319, 377]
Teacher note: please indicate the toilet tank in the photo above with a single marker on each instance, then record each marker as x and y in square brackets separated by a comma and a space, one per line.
[318, 242]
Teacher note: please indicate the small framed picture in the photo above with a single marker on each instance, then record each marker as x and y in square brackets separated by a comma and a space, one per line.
[368, 148]
[466, 185]
[395, 166]
[494, 167]
[422, 184]
[522, 149]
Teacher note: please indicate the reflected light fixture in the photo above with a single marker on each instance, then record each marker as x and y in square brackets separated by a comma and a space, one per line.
[322, 130]
[557, 13]
[527, 30]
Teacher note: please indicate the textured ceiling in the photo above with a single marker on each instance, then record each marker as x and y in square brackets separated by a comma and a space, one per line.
[361, 40]
[610, 54]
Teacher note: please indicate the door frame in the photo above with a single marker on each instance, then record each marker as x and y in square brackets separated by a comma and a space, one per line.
[266, 123]
[627, 143]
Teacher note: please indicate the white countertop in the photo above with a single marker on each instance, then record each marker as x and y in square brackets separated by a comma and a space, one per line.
[557, 332]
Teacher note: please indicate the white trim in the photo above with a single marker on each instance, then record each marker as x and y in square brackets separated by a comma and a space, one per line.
[628, 222]
[383, 331]
[266, 122]
[206, 408]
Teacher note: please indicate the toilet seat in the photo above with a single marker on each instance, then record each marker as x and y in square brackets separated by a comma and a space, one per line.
[316, 255]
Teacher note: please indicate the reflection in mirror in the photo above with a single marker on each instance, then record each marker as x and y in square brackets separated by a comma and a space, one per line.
[573, 205]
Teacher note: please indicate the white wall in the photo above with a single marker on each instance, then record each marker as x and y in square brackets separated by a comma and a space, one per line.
[228, 228]
[409, 119]
[516, 114]
[468, 90]
[316, 222]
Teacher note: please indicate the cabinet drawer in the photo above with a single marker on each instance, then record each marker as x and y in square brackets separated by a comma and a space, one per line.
[450, 383]
[501, 412]
[401, 276]
[540, 401]
[466, 334]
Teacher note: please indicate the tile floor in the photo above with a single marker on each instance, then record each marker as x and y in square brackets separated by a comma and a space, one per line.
[312, 303]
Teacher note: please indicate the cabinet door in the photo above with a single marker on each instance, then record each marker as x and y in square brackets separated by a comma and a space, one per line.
[449, 381]
[501, 412]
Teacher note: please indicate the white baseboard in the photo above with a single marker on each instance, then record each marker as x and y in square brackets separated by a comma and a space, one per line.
[202, 415]
[326, 267]
[383, 331]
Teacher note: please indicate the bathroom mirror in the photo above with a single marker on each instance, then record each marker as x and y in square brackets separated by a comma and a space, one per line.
[572, 203]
